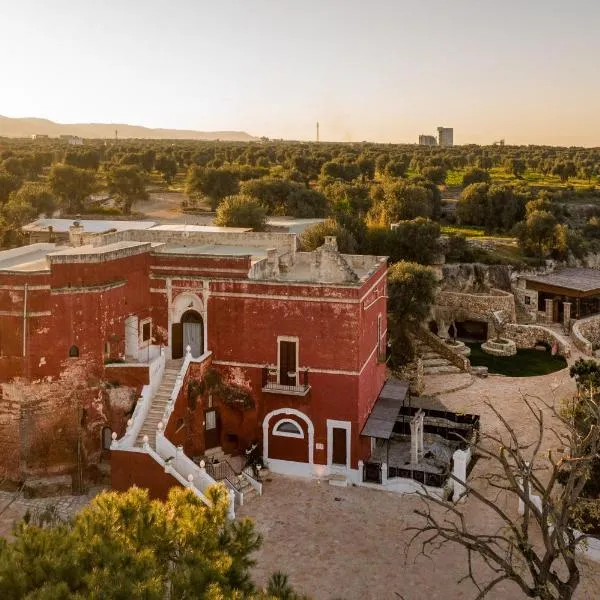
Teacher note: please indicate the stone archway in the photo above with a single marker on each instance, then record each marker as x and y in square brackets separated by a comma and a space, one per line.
[187, 325]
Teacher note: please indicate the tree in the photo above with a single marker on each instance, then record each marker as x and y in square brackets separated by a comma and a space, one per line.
[435, 174]
[314, 237]
[565, 170]
[516, 166]
[411, 293]
[212, 183]
[38, 196]
[400, 201]
[537, 233]
[8, 183]
[241, 211]
[166, 165]
[124, 545]
[71, 185]
[128, 185]
[538, 550]
[475, 175]
[306, 203]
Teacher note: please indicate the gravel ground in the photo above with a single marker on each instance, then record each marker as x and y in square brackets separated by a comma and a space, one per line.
[351, 542]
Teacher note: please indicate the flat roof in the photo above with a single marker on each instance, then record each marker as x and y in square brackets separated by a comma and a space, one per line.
[381, 421]
[26, 258]
[216, 250]
[90, 250]
[292, 224]
[89, 225]
[581, 280]
[199, 228]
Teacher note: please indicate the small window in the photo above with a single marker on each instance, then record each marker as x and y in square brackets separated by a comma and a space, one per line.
[106, 438]
[107, 348]
[73, 352]
[527, 299]
[146, 328]
[287, 428]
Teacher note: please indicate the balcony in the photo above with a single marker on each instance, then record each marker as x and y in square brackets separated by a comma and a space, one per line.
[293, 383]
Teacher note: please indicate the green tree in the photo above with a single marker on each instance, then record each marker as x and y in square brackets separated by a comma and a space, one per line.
[313, 237]
[565, 170]
[537, 233]
[166, 165]
[306, 203]
[123, 545]
[475, 175]
[516, 166]
[8, 183]
[241, 211]
[400, 201]
[436, 174]
[212, 183]
[128, 185]
[71, 185]
[411, 293]
[38, 196]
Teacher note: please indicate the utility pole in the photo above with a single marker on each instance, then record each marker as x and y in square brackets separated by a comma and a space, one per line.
[317, 131]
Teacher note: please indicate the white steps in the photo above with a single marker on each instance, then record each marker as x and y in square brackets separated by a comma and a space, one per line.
[338, 480]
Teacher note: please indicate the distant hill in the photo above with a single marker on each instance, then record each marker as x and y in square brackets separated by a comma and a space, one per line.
[26, 127]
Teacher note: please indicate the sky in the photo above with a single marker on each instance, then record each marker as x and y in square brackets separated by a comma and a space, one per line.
[526, 71]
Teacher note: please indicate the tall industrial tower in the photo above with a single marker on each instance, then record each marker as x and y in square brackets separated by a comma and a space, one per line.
[317, 131]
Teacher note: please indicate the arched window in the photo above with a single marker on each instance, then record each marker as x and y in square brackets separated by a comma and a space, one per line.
[287, 428]
[106, 438]
[73, 351]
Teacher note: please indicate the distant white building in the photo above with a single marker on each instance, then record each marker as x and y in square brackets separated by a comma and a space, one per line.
[427, 140]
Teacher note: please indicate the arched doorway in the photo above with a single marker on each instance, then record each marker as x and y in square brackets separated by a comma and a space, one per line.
[188, 332]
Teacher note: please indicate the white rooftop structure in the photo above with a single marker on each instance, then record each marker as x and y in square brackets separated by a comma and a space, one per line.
[89, 225]
[199, 228]
[26, 258]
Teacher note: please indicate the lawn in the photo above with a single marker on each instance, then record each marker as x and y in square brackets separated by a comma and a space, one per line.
[525, 363]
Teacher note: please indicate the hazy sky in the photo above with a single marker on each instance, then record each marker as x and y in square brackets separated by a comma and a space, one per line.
[381, 70]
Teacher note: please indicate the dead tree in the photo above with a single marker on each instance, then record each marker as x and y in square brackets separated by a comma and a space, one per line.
[536, 549]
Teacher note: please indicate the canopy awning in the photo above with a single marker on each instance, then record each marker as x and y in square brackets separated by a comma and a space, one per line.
[381, 421]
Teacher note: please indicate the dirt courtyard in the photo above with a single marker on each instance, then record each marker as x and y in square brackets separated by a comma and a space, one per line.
[351, 542]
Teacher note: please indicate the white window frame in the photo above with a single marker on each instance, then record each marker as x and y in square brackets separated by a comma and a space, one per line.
[141, 342]
[288, 434]
[288, 338]
[379, 333]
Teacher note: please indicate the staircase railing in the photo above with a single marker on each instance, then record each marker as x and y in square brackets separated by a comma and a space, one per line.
[224, 472]
[156, 370]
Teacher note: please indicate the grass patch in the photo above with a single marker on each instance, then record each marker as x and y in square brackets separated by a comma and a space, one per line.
[525, 363]
[465, 230]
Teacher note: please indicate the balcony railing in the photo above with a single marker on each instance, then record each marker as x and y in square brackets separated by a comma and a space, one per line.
[291, 383]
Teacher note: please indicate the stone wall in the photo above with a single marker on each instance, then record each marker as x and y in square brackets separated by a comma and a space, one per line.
[444, 350]
[462, 306]
[475, 277]
[586, 334]
[528, 336]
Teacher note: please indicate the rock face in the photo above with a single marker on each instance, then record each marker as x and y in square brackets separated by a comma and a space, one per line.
[475, 277]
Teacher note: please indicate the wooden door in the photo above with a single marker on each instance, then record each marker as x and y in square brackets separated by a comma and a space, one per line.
[212, 433]
[338, 452]
[287, 363]
[177, 340]
[192, 337]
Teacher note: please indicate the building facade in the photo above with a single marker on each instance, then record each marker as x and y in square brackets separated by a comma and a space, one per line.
[299, 336]
[445, 136]
[427, 140]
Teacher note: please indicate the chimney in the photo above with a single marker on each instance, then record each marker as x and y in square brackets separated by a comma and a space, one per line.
[76, 232]
[331, 243]
[272, 262]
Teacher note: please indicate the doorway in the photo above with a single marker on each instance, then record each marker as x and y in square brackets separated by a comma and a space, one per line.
[338, 452]
[212, 429]
[189, 332]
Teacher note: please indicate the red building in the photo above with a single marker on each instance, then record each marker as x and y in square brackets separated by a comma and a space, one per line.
[285, 347]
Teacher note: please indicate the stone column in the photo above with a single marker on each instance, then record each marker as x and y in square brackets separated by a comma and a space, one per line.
[549, 309]
[566, 314]
[460, 472]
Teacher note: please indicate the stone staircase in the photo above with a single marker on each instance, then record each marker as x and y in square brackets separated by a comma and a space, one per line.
[433, 363]
[233, 472]
[158, 405]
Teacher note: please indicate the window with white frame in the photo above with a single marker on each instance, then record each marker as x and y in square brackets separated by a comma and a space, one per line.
[379, 334]
[145, 333]
[288, 428]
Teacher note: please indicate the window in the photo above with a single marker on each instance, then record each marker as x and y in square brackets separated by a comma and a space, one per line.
[106, 438]
[287, 428]
[379, 334]
[145, 333]
[288, 361]
[527, 299]
[107, 348]
[73, 352]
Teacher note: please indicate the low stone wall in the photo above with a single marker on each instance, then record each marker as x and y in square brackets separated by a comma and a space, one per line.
[586, 334]
[527, 336]
[462, 306]
[444, 350]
